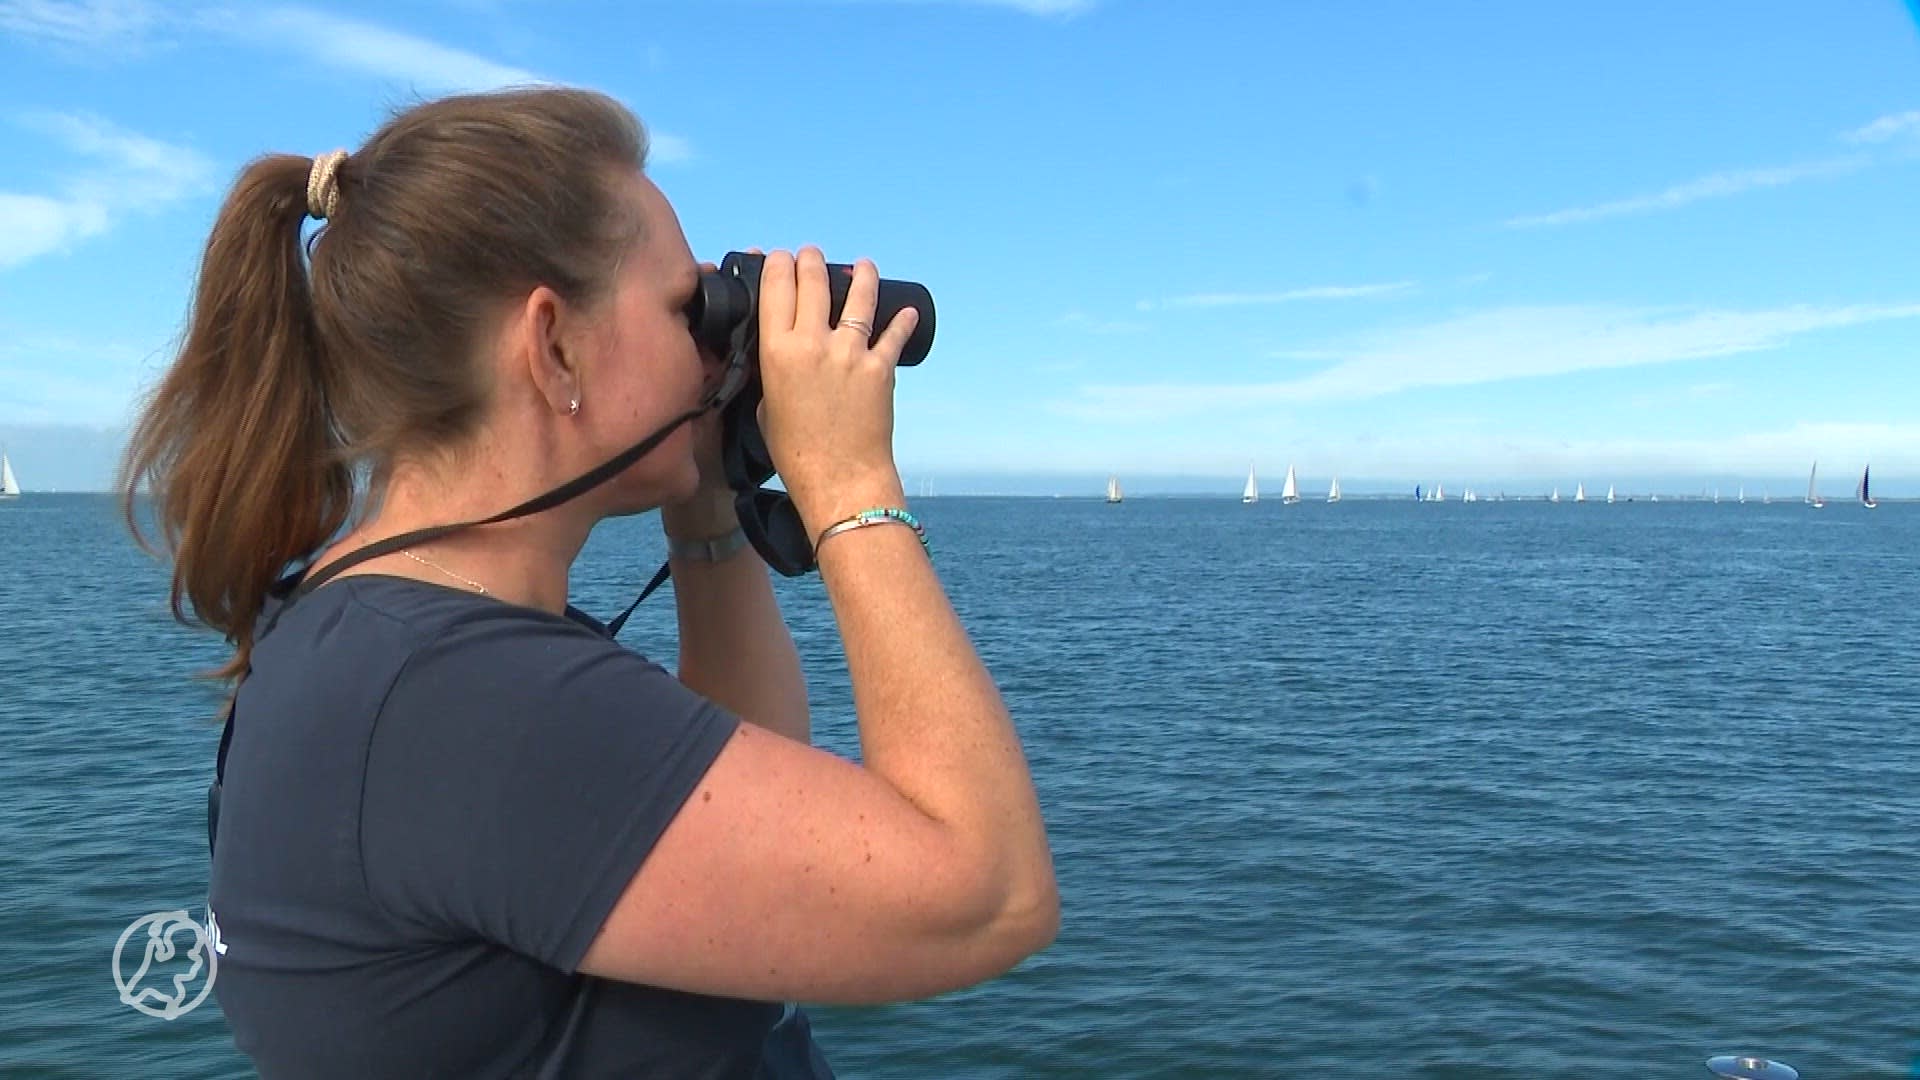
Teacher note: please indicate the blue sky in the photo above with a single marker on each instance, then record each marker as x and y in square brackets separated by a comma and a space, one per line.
[1501, 244]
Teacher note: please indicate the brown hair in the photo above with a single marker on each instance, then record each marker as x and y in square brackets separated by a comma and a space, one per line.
[296, 369]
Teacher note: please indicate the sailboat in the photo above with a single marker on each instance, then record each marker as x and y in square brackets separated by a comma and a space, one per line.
[1333, 491]
[1865, 493]
[1252, 492]
[1113, 489]
[1555, 497]
[1813, 497]
[1290, 491]
[1609, 494]
[9, 487]
[1580, 492]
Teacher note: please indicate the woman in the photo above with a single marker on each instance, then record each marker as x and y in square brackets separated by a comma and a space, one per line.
[464, 833]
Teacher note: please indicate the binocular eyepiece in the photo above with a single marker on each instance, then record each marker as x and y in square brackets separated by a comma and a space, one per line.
[727, 306]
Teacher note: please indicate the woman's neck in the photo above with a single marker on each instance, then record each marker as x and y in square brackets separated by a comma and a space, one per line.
[524, 561]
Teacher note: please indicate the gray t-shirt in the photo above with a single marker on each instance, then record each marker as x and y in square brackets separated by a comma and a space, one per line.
[432, 801]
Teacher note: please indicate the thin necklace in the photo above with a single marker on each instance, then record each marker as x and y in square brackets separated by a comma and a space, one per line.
[481, 589]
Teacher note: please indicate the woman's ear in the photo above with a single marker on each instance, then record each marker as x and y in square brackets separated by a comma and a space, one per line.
[548, 342]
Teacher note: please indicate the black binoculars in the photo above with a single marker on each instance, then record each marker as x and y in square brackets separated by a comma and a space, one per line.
[724, 315]
[728, 303]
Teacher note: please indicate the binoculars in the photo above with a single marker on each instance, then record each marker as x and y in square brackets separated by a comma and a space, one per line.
[724, 316]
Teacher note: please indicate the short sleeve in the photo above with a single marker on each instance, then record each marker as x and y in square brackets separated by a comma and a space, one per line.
[521, 770]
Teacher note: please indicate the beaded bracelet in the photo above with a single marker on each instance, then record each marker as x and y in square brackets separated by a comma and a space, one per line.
[879, 515]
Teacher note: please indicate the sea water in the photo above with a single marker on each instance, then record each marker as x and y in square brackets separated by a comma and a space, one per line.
[1503, 789]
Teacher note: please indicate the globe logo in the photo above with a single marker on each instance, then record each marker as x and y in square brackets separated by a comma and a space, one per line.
[169, 958]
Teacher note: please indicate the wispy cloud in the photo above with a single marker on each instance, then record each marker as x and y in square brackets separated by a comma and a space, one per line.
[1842, 447]
[125, 171]
[1716, 186]
[368, 49]
[668, 149]
[133, 170]
[1887, 128]
[61, 379]
[1287, 296]
[1044, 8]
[35, 225]
[1487, 347]
[80, 24]
[1722, 185]
[1460, 452]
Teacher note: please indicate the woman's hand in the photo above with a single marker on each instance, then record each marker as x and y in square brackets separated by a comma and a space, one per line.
[828, 409]
[709, 511]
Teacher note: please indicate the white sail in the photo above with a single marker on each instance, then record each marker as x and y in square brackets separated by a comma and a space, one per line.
[1813, 494]
[1251, 494]
[1609, 492]
[1555, 497]
[1580, 492]
[1290, 491]
[1333, 490]
[9, 487]
[1113, 489]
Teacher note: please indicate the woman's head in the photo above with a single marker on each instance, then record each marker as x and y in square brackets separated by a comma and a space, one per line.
[486, 262]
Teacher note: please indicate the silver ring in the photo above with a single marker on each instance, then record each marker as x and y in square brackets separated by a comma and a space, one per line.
[862, 325]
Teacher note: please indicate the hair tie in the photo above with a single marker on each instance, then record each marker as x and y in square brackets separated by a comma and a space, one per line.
[323, 185]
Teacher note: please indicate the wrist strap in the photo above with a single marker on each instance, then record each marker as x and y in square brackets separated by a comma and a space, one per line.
[713, 549]
[879, 515]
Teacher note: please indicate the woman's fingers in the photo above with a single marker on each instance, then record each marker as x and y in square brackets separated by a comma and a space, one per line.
[863, 294]
[893, 340]
[814, 299]
[777, 294]
[827, 413]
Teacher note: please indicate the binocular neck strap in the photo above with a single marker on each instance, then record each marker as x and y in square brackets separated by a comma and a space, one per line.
[570, 490]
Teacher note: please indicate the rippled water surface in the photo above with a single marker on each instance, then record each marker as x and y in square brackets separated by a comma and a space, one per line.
[1376, 789]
